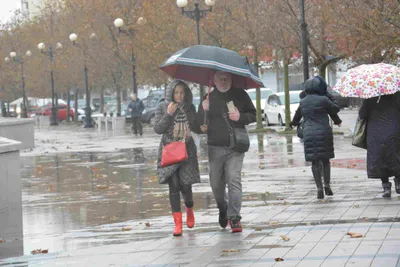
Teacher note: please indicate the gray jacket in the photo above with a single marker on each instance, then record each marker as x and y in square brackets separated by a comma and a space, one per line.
[189, 169]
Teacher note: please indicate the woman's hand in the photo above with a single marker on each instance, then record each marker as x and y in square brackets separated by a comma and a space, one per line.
[172, 108]
[204, 128]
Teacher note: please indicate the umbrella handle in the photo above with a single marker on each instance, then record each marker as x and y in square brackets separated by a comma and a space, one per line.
[208, 97]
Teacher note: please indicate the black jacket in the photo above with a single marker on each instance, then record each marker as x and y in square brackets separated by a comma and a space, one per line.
[137, 108]
[218, 134]
[317, 133]
[383, 135]
[298, 116]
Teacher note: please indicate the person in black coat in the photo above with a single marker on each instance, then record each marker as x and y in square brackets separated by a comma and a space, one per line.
[316, 108]
[136, 108]
[383, 139]
[225, 164]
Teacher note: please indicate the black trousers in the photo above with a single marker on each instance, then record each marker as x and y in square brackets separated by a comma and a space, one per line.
[137, 125]
[175, 188]
[321, 168]
[386, 179]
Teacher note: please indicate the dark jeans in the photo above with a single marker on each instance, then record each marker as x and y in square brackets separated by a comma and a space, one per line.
[137, 125]
[175, 188]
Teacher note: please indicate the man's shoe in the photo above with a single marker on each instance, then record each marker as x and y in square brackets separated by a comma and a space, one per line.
[223, 219]
[236, 226]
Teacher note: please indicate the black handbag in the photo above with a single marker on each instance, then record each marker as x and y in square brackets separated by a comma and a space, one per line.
[360, 134]
[300, 129]
[238, 137]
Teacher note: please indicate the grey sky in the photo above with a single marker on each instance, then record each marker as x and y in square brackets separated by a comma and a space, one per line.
[6, 8]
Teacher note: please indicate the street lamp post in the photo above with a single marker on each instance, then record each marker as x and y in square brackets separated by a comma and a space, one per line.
[20, 60]
[196, 14]
[304, 41]
[88, 112]
[119, 23]
[50, 54]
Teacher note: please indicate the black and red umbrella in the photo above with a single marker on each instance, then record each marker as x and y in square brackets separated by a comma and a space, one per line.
[198, 63]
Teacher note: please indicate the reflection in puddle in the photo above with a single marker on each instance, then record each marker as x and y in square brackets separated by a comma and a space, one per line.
[69, 192]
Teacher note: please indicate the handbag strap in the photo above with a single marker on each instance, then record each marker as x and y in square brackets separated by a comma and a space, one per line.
[225, 116]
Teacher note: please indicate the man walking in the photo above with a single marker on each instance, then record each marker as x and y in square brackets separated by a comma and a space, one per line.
[226, 163]
[136, 108]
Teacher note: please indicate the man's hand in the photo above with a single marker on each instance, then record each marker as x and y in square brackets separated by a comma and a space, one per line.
[340, 125]
[206, 104]
[172, 108]
[204, 128]
[130, 110]
[234, 116]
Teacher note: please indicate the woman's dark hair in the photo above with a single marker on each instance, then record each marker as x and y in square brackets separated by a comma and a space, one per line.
[187, 99]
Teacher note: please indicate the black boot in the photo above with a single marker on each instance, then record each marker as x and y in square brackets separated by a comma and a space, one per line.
[316, 170]
[387, 190]
[327, 179]
[397, 184]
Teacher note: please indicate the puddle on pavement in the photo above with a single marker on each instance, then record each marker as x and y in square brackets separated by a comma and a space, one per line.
[69, 192]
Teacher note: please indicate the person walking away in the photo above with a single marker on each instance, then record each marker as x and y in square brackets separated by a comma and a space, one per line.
[175, 119]
[136, 107]
[316, 108]
[225, 163]
[383, 139]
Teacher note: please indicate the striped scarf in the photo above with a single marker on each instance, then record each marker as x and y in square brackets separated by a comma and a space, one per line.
[181, 126]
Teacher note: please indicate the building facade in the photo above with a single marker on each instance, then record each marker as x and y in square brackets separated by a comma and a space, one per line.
[31, 8]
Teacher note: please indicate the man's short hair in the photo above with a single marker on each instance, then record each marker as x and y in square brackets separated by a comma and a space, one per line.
[132, 95]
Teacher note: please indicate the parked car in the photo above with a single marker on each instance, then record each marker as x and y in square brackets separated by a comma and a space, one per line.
[150, 104]
[62, 111]
[275, 107]
[265, 92]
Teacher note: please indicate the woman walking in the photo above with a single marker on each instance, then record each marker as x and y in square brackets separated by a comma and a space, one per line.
[175, 119]
[316, 108]
[383, 139]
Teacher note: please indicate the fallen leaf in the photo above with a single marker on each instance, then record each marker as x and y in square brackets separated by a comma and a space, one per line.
[285, 238]
[259, 229]
[356, 206]
[126, 228]
[274, 223]
[230, 250]
[39, 170]
[279, 259]
[2, 240]
[94, 169]
[355, 176]
[39, 251]
[147, 224]
[50, 187]
[303, 171]
[102, 187]
[354, 235]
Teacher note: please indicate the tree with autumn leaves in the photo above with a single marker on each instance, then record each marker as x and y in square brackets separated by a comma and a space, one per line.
[365, 31]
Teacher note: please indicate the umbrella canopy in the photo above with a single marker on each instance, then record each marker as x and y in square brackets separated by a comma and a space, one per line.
[198, 63]
[369, 80]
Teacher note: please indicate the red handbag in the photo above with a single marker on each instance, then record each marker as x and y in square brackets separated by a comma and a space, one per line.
[173, 153]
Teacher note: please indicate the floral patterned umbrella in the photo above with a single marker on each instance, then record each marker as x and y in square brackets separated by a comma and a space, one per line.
[369, 80]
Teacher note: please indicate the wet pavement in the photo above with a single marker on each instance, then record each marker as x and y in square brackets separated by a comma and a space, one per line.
[104, 207]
